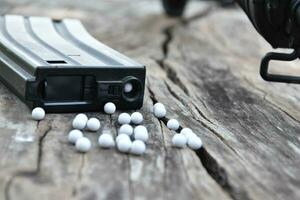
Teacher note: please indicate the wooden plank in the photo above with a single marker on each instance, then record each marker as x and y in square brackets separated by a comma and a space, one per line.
[209, 81]
[162, 173]
[213, 71]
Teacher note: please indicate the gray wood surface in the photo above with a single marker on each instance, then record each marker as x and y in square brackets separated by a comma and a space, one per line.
[204, 68]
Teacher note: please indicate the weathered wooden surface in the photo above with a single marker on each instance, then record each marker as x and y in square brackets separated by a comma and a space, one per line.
[205, 69]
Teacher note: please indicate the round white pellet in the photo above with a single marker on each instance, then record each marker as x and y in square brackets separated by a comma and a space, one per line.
[128, 87]
[173, 124]
[124, 118]
[79, 123]
[136, 118]
[159, 110]
[187, 132]
[179, 140]
[194, 142]
[124, 145]
[109, 108]
[93, 124]
[122, 137]
[38, 113]
[126, 129]
[141, 133]
[82, 116]
[74, 135]
[106, 141]
[138, 147]
[83, 144]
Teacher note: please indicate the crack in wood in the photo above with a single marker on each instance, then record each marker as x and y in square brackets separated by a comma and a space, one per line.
[265, 95]
[40, 149]
[161, 122]
[165, 45]
[209, 163]
[202, 114]
[219, 174]
[32, 173]
[203, 103]
[168, 33]
[283, 111]
[202, 122]
[173, 93]
[181, 100]
[172, 75]
[154, 100]
[79, 174]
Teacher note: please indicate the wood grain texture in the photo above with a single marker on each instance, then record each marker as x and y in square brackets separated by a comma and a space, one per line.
[204, 68]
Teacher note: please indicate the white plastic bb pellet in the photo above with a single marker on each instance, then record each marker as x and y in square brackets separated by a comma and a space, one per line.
[136, 118]
[93, 124]
[173, 124]
[124, 118]
[194, 142]
[83, 144]
[38, 113]
[79, 123]
[138, 147]
[128, 87]
[159, 110]
[124, 145]
[109, 108]
[187, 132]
[82, 116]
[121, 137]
[74, 135]
[126, 129]
[179, 140]
[141, 133]
[106, 141]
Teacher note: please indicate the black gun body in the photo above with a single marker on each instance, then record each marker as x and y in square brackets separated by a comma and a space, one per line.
[57, 65]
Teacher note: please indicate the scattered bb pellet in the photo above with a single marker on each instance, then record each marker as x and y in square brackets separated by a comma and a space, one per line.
[126, 129]
[106, 141]
[187, 132]
[83, 144]
[93, 124]
[173, 124]
[109, 108]
[82, 116]
[194, 142]
[74, 135]
[179, 140]
[136, 118]
[159, 110]
[79, 122]
[141, 133]
[124, 118]
[128, 87]
[124, 145]
[38, 113]
[121, 137]
[138, 147]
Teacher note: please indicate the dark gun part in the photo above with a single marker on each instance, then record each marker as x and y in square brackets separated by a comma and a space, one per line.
[278, 21]
[58, 65]
[175, 8]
